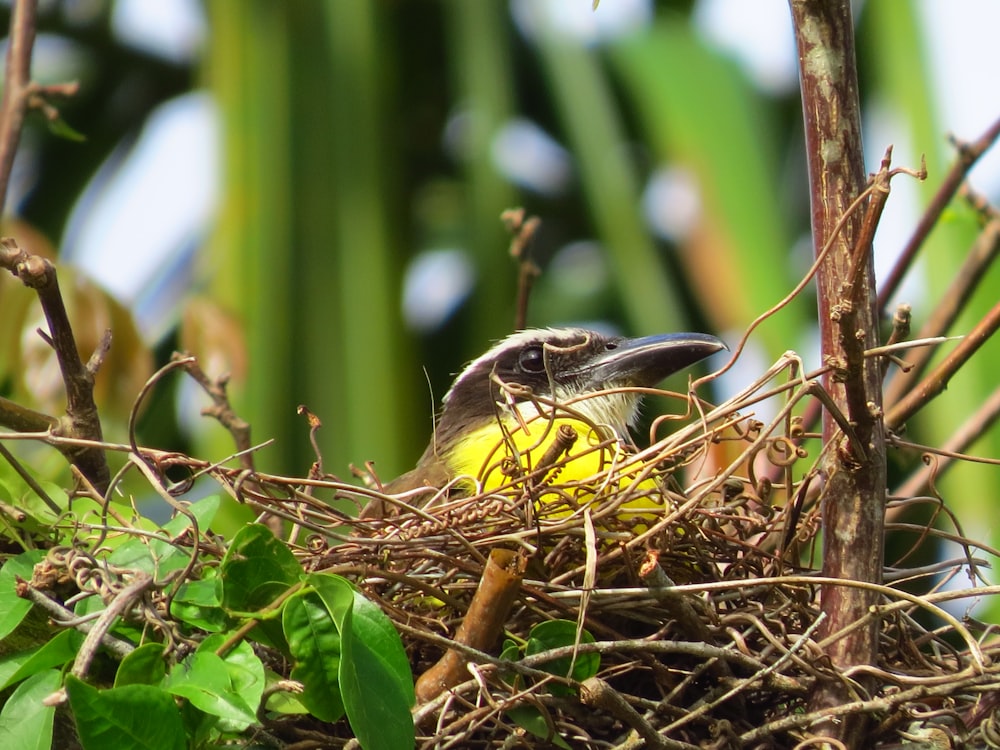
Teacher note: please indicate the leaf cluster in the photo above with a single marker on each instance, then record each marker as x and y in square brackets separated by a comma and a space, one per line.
[237, 647]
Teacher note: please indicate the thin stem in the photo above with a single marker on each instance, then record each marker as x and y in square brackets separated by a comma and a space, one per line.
[968, 155]
[982, 254]
[937, 381]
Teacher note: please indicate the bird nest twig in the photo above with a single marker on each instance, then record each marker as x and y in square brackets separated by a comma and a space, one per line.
[690, 622]
[704, 615]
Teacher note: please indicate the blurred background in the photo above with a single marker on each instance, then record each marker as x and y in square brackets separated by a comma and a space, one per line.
[307, 195]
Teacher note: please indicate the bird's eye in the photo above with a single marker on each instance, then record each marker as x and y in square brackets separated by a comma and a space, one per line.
[532, 359]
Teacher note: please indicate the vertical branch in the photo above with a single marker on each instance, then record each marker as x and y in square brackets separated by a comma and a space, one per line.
[82, 420]
[17, 87]
[854, 496]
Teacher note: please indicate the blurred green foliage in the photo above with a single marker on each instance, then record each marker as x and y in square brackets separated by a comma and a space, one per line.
[338, 175]
[335, 118]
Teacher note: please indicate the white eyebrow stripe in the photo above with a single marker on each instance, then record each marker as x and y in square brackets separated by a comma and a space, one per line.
[516, 341]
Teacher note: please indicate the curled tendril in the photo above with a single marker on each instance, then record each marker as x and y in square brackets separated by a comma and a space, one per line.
[781, 451]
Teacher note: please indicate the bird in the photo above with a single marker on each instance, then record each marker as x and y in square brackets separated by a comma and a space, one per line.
[543, 403]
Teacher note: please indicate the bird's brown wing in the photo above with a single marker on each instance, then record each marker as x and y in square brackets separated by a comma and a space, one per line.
[428, 473]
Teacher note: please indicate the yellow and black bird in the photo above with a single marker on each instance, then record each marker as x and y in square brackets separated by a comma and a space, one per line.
[558, 396]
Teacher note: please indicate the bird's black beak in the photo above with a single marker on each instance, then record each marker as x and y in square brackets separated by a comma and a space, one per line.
[645, 361]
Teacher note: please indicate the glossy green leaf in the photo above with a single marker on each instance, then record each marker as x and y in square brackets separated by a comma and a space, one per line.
[283, 702]
[26, 499]
[156, 555]
[204, 679]
[144, 666]
[25, 721]
[370, 625]
[509, 651]
[58, 650]
[133, 717]
[12, 607]
[256, 570]
[315, 645]
[375, 678]
[558, 634]
[199, 603]
[531, 719]
[245, 669]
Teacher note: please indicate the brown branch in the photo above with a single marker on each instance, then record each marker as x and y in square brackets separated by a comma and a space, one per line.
[118, 607]
[937, 381]
[17, 87]
[853, 500]
[22, 419]
[967, 433]
[901, 320]
[968, 155]
[482, 624]
[82, 419]
[597, 693]
[220, 410]
[522, 231]
[60, 616]
[315, 424]
[981, 256]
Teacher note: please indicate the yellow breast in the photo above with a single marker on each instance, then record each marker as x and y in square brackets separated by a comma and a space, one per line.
[564, 464]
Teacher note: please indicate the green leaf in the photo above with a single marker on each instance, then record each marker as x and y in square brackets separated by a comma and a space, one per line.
[12, 607]
[205, 679]
[246, 671]
[199, 603]
[59, 650]
[257, 569]
[367, 622]
[283, 701]
[26, 722]
[315, 645]
[582, 96]
[509, 650]
[157, 556]
[557, 634]
[144, 666]
[531, 719]
[375, 678]
[25, 498]
[374, 632]
[133, 717]
[59, 127]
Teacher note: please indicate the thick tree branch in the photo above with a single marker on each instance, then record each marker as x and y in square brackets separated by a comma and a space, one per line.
[82, 419]
[854, 495]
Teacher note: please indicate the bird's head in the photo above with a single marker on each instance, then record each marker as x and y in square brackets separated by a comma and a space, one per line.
[565, 365]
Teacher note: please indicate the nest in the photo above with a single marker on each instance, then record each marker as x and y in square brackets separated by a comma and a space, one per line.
[673, 600]
[705, 617]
